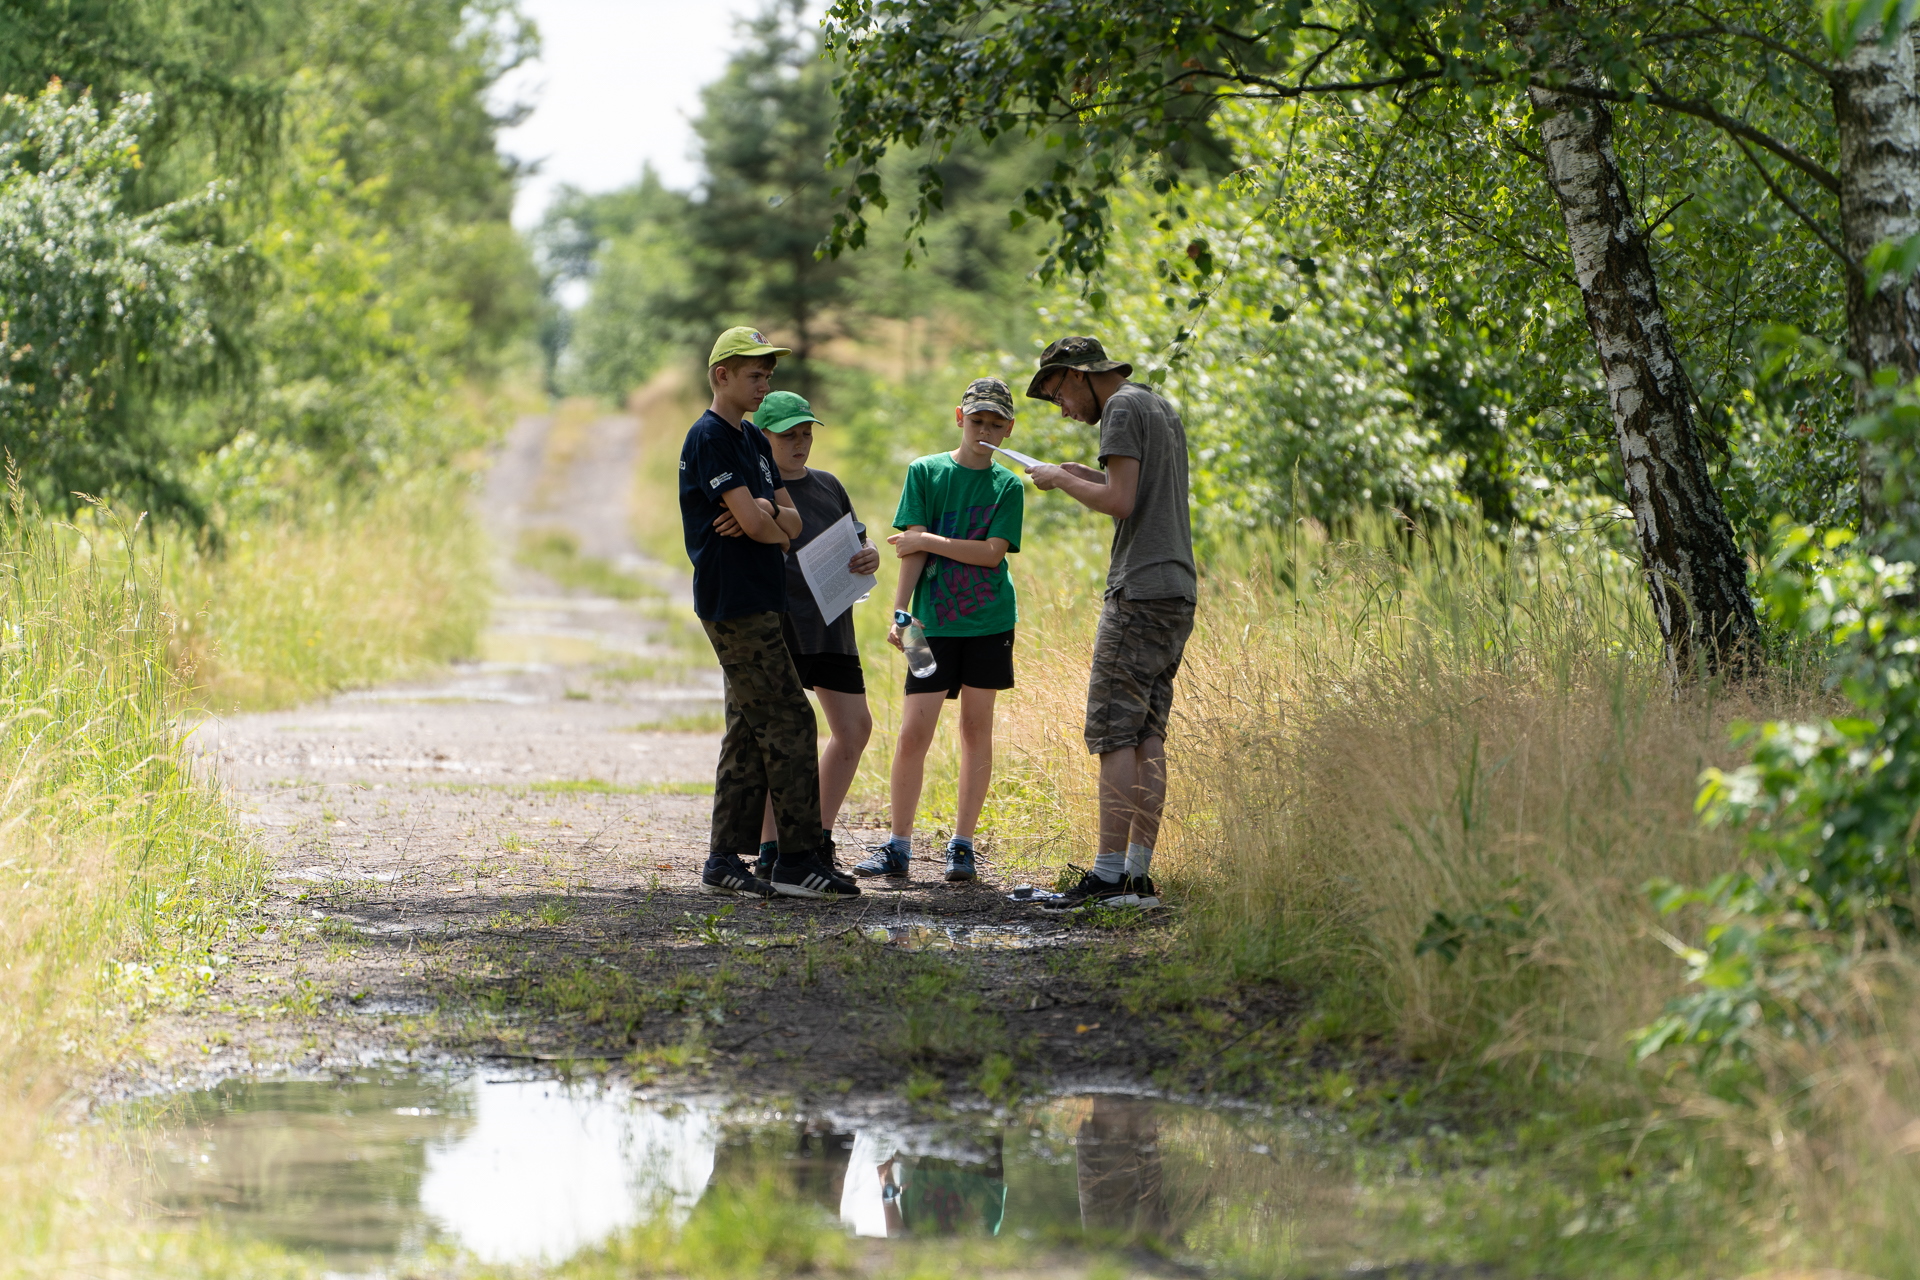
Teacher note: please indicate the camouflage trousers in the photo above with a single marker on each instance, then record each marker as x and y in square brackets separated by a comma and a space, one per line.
[770, 745]
[1136, 656]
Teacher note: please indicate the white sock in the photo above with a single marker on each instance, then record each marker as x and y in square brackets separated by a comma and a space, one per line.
[1139, 858]
[1110, 866]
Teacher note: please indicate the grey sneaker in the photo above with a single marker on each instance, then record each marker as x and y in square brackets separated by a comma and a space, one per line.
[882, 860]
[959, 863]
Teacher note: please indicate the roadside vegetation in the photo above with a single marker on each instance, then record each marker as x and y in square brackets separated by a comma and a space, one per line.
[1587, 904]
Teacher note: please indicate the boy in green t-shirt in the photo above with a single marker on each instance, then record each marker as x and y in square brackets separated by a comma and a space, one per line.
[959, 517]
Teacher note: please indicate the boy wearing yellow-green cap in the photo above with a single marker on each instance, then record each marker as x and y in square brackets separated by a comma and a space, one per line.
[738, 520]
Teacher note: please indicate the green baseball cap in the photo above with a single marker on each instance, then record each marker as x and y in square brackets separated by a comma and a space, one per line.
[742, 341]
[782, 411]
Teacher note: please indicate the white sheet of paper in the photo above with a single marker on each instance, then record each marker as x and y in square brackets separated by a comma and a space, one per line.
[823, 562]
[1017, 456]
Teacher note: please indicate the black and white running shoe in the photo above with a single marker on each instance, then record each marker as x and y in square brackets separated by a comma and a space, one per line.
[1145, 895]
[1092, 891]
[814, 878]
[726, 876]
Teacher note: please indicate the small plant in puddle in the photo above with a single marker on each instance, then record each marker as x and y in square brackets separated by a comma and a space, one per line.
[996, 1080]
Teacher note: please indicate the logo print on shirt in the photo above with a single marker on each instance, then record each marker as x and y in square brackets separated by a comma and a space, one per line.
[720, 479]
[766, 473]
[960, 590]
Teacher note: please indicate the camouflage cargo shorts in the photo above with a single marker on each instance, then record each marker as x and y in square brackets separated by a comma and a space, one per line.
[1135, 658]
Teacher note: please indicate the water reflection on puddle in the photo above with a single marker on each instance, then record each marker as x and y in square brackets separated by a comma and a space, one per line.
[372, 1171]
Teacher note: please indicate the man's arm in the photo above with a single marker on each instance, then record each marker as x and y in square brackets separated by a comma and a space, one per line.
[753, 519]
[987, 553]
[786, 515]
[1111, 492]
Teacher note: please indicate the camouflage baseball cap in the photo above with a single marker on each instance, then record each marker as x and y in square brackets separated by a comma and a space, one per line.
[1084, 354]
[988, 395]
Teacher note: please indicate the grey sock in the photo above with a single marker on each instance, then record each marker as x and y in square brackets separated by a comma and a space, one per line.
[1110, 866]
[899, 843]
[1139, 858]
[960, 842]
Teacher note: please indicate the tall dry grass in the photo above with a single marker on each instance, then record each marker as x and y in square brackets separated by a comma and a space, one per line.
[1374, 729]
[338, 592]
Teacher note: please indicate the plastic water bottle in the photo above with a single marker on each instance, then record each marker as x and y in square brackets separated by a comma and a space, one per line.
[913, 638]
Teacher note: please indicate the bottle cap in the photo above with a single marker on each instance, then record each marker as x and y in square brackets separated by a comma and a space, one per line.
[901, 617]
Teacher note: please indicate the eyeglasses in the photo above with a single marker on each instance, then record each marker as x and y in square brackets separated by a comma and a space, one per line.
[1051, 394]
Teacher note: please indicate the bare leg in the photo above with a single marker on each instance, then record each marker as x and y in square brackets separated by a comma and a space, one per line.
[1133, 792]
[849, 726]
[919, 716]
[976, 757]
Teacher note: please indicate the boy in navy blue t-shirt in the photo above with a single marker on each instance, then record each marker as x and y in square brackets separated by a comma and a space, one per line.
[738, 520]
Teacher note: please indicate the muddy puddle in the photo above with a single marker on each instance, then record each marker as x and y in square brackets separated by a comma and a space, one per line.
[371, 1172]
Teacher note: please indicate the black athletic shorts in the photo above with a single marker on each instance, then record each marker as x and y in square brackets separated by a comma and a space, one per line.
[839, 672]
[985, 662]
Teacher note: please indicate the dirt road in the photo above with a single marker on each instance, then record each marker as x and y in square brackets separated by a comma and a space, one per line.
[503, 861]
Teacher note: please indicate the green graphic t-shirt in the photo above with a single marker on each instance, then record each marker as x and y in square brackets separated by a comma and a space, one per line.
[954, 599]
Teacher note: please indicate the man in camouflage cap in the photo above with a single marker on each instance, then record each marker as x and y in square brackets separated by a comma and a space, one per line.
[1148, 614]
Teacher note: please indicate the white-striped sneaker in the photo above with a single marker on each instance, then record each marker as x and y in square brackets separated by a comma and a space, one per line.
[814, 878]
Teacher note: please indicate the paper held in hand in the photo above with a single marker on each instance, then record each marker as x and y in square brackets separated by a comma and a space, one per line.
[1017, 456]
[823, 562]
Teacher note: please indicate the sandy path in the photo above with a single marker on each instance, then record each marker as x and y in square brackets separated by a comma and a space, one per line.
[503, 861]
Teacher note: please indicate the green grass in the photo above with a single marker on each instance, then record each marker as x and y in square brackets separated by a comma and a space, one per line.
[601, 787]
[556, 553]
[122, 871]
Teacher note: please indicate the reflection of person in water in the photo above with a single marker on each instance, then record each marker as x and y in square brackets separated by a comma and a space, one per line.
[1118, 1149]
[891, 1191]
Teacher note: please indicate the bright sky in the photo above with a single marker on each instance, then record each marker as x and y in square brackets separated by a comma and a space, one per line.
[617, 83]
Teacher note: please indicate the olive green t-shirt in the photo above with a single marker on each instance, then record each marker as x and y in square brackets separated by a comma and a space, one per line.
[954, 599]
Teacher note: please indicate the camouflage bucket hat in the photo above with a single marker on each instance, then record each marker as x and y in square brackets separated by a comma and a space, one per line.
[988, 395]
[1084, 354]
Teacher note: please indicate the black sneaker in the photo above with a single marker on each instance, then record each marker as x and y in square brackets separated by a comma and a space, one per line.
[882, 860]
[813, 878]
[1091, 891]
[959, 863]
[1142, 890]
[726, 876]
[763, 865]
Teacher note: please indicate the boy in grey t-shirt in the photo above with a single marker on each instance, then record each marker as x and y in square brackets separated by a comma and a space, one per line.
[1148, 615]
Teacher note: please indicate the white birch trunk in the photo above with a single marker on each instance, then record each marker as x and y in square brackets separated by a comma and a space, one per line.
[1877, 117]
[1694, 571]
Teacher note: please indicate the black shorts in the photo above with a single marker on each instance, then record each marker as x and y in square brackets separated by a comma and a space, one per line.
[836, 672]
[984, 662]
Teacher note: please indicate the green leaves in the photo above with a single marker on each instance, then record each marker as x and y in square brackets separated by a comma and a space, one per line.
[1891, 258]
[1845, 23]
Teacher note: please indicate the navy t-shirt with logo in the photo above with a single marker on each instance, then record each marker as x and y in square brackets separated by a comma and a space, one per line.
[732, 577]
